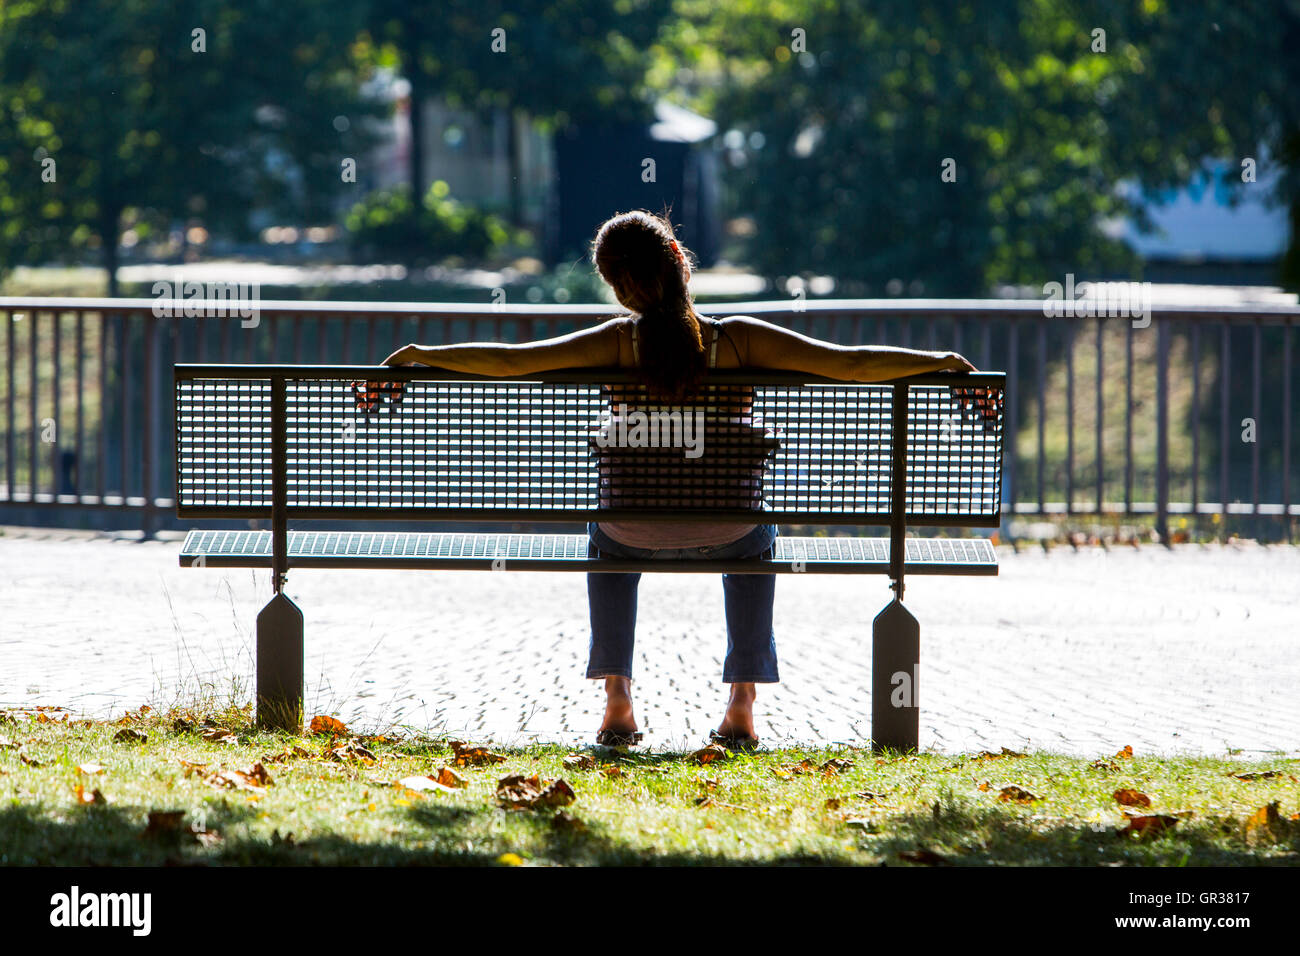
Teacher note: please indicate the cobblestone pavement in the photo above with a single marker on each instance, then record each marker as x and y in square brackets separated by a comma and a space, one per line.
[1192, 650]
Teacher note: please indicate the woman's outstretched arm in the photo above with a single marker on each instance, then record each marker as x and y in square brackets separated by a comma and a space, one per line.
[764, 345]
[582, 349]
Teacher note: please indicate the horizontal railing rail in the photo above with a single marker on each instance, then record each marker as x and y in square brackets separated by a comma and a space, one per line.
[1187, 413]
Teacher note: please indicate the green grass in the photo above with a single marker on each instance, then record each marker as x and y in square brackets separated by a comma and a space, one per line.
[662, 809]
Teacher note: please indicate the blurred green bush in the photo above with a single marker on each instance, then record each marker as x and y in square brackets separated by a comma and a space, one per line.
[388, 225]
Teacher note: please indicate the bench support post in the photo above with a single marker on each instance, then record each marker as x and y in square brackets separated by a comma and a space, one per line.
[895, 633]
[895, 663]
[280, 624]
[280, 665]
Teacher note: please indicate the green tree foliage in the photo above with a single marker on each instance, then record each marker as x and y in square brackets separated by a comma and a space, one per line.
[1045, 131]
[136, 117]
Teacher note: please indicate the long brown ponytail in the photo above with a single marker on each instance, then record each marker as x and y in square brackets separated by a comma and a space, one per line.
[633, 252]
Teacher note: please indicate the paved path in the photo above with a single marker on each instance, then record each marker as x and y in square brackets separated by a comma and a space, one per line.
[1194, 650]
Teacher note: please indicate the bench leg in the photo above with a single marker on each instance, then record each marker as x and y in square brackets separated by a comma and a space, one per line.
[895, 656]
[279, 666]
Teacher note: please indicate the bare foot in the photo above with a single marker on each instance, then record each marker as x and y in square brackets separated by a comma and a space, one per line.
[618, 706]
[739, 719]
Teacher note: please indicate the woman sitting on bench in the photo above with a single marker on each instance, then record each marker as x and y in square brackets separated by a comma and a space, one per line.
[671, 347]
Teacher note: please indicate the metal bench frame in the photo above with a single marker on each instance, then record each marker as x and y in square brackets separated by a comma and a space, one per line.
[896, 636]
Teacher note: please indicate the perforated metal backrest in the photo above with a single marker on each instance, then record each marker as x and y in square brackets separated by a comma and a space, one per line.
[564, 446]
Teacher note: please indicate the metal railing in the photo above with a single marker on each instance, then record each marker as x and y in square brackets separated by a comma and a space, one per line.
[1191, 415]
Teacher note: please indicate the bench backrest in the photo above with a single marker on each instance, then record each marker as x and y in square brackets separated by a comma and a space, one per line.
[546, 448]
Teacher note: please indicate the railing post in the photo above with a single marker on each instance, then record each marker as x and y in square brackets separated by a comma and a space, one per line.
[1162, 429]
[148, 424]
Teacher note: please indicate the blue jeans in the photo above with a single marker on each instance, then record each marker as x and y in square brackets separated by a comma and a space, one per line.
[751, 647]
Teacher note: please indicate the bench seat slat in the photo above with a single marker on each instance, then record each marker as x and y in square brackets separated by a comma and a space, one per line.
[572, 552]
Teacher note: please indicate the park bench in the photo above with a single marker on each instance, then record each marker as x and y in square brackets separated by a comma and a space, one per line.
[292, 444]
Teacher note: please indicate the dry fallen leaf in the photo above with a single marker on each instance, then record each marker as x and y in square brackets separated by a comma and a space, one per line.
[832, 803]
[1105, 765]
[219, 735]
[579, 762]
[923, 857]
[527, 793]
[287, 754]
[1146, 826]
[129, 735]
[254, 780]
[328, 725]
[612, 770]
[835, 765]
[90, 769]
[707, 755]
[29, 760]
[450, 778]
[1261, 775]
[349, 750]
[1014, 794]
[1004, 753]
[468, 755]
[1131, 798]
[984, 786]
[1265, 825]
[781, 773]
[1126, 753]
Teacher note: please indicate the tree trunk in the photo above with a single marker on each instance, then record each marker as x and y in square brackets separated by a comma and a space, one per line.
[411, 68]
[108, 235]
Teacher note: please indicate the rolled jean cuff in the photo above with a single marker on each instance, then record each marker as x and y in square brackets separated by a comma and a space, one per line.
[595, 673]
[754, 679]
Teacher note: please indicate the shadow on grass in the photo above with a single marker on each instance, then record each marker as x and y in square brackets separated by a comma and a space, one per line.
[113, 836]
[993, 837]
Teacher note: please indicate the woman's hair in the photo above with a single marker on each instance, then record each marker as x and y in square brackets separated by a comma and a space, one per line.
[633, 253]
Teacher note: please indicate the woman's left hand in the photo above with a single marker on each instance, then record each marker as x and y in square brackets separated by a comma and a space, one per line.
[369, 394]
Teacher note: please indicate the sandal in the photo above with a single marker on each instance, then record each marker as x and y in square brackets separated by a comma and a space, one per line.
[613, 738]
[742, 744]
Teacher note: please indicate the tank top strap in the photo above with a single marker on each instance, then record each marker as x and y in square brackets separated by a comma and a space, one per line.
[713, 343]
